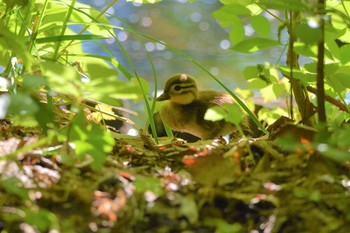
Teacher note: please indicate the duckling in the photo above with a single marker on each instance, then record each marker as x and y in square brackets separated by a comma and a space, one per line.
[184, 108]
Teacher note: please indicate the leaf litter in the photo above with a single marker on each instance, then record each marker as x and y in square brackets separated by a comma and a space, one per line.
[277, 184]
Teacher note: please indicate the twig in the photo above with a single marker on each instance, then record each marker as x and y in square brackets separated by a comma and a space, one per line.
[321, 110]
[329, 99]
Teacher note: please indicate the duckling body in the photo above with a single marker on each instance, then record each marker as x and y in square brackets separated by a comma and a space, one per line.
[184, 108]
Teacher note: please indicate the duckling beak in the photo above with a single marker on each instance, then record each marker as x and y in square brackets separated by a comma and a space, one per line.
[164, 96]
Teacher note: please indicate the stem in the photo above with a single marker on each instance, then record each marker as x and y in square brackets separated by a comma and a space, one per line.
[64, 27]
[320, 68]
[302, 99]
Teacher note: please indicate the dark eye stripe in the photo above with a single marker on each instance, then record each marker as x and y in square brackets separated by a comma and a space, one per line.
[177, 88]
[181, 87]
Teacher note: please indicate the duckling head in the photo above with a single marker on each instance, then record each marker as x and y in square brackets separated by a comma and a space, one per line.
[180, 89]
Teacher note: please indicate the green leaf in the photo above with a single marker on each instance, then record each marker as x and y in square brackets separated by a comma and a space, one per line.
[345, 54]
[261, 25]
[237, 32]
[252, 45]
[307, 34]
[222, 226]
[189, 208]
[305, 50]
[14, 186]
[215, 113]
[109, 89]
[343, 75]
[250, 72]
[62, 79]
[145, 183]
[22, 109]
[11, 3]
[141, 82]
[14, 44]
[98, 68]
[41, 218]
[89, 139]
[233, 113]
[256, 83]
[271, 92]
[288, 5]
[227, 15]
[33, 83]
[45, 116]
[333, 153]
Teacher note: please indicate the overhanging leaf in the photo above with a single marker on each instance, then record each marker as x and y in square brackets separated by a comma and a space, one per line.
[234, 114]
[215, 114]
[227, 15]
[261, 25]
[252, 45]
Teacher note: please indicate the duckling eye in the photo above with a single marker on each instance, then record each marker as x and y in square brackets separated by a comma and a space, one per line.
[177, 88]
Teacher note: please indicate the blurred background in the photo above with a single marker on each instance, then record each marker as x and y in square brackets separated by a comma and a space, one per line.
[187, 27]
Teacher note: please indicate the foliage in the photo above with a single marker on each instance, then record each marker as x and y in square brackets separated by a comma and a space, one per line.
[305, 32]
[58, 157]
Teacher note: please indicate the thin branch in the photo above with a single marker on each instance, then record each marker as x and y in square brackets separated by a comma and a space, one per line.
[329, 99]
[321, 110]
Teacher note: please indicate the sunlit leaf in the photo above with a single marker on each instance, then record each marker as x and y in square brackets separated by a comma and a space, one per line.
[261, 25]
[291, 5]
[256, 83]
[143, 85]
[62, 79]
[109, 89]
[252, 45]
[306, 50]
[237, 32]
[234, 114]
[101, 115]
[345, 54]
[215, 114]
[98, 68]
[250, 72]
[244, 93]
[227, 15]
[343, 75]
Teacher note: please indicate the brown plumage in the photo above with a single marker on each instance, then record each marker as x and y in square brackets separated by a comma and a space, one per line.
[184, 108]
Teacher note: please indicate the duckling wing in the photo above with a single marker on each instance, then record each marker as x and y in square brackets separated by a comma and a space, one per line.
[214, 98]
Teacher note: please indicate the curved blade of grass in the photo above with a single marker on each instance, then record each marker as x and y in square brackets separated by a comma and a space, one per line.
[69, 37]
[93, 19]
[153, 107]
[146, 101]
[64, 27]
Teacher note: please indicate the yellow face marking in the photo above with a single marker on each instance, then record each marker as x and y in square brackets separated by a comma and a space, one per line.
[183, 93]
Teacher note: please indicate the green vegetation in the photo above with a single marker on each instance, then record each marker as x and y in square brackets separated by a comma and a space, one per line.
[64, 170]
